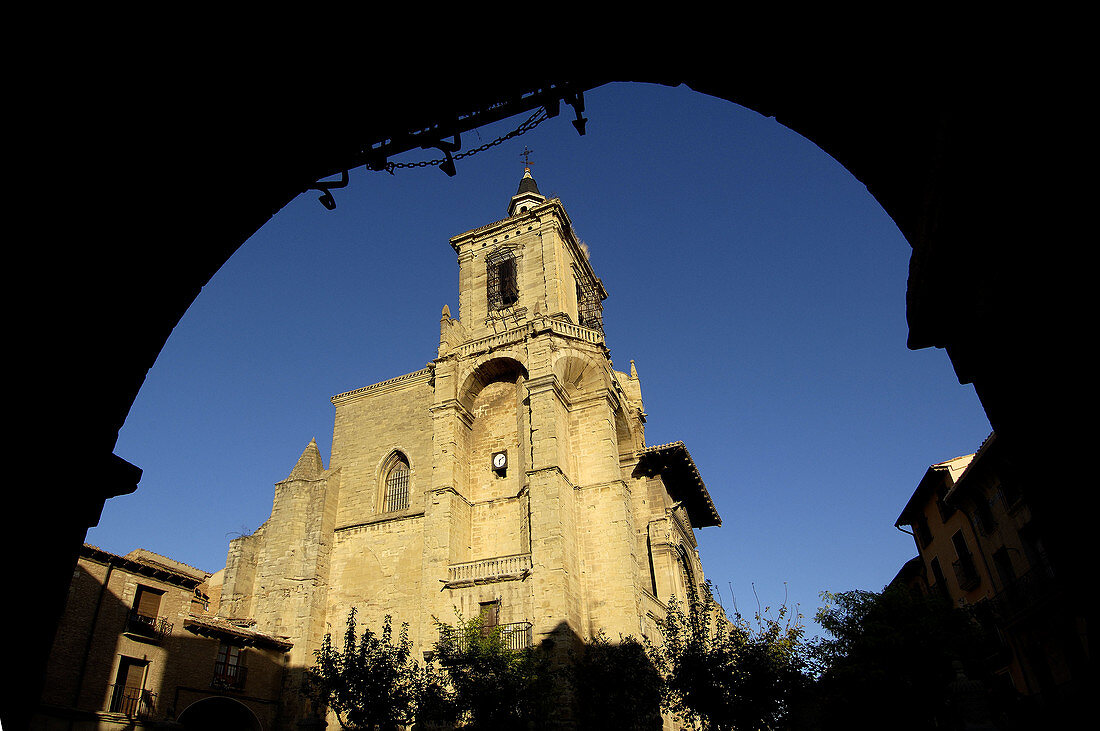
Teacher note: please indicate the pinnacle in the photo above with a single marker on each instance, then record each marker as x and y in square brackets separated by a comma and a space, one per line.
[309, 466]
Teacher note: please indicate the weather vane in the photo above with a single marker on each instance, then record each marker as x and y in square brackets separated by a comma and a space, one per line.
[526, 155]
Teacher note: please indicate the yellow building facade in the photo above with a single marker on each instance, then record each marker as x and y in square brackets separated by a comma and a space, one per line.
[509, 479]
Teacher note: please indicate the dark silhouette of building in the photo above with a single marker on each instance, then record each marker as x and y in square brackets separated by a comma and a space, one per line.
[159, 177]
[980, 546]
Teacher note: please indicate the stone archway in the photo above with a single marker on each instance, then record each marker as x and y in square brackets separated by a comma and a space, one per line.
[942, 161]
[219, 714]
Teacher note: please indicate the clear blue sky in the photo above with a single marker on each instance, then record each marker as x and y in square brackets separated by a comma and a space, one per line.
[757, 285]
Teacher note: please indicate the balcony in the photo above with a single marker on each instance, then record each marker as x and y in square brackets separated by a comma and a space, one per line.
[966, 574]
[514, 636]
[228, 676]
[153, 627]
[133, 702]
[502, 568]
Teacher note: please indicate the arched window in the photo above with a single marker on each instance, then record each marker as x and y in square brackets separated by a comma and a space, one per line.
[396, 491]
[687, 573]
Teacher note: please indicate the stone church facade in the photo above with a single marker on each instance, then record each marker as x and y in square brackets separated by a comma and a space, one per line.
[509, 479]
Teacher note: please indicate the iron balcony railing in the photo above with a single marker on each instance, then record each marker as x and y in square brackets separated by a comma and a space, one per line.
[513, 636]
[229, 676]
[143, 624]
[134, 702]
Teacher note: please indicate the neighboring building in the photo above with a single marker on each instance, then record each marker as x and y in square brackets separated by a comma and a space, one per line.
[980, 546]
[509, 479]
[139, 646]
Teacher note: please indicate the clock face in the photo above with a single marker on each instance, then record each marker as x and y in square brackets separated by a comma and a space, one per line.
[499, 460]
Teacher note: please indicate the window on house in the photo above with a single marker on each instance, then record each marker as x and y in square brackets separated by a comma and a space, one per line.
[502, 282]
[959, 542]
[147, 602]
[396, 494]
[984, 515]
[144, 614]
[939, 583]
[1011, 493]
[229, 670]
[128, 695]
[965, 571]
[1003, 562]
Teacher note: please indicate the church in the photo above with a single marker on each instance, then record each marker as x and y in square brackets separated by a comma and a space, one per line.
[508, 480]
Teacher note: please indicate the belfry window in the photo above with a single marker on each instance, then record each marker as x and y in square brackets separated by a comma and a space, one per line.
[503, 284]
[589, 307]
[396, 495]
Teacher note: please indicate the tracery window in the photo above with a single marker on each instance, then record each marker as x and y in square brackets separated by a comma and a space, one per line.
[396, 493]
[687, 573]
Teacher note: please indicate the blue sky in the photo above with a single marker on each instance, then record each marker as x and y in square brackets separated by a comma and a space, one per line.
[757, 285]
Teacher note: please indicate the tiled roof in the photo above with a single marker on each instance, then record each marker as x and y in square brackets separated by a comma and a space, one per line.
[141, 562]
[214, 626]
[680, 475]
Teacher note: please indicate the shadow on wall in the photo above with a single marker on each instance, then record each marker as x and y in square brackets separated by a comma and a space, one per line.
[110, 662]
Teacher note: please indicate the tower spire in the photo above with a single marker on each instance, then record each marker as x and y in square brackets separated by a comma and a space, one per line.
[528, 193]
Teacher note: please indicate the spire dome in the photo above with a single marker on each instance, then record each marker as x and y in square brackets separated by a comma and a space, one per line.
[526, 196]
[527, 184]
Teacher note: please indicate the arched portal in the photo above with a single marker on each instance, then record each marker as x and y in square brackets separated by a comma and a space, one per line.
[219, 714]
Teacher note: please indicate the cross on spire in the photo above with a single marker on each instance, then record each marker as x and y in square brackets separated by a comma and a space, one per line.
[526, 155]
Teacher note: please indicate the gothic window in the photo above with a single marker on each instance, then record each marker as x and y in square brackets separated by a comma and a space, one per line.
[396, 487]
[687, 572]
[503, 282]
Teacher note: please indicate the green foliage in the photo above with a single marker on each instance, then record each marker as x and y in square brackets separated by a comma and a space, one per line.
[616, 686]
[483, 684]
[723, 673]
[889, 662]
[372, 683]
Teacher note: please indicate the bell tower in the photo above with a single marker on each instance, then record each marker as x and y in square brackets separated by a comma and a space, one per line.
[508, 479]
[526, 264]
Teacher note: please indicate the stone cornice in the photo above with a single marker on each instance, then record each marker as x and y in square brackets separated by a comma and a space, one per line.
[551, 206]
[381, 518]
[551, 468]
[392, 384]
[451, 404]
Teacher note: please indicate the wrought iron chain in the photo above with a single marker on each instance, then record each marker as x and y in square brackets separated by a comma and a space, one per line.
[529, 124]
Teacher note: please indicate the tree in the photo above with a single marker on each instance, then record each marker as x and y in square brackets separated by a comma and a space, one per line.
[615, 686]
[372, 683]
[891, 660]
[486, 684]
[721, 673]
